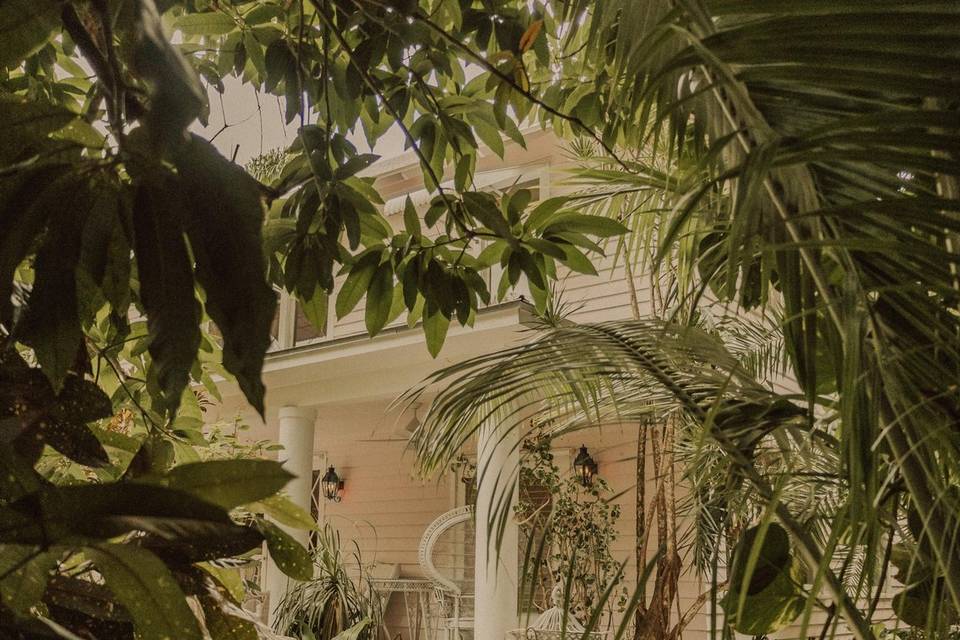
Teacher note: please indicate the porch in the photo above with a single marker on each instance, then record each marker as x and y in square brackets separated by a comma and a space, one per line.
[329, 406]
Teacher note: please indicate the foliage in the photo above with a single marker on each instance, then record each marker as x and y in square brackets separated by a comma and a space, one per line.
[122, 236]
[333, 602]
[575, 531]
[803, 155]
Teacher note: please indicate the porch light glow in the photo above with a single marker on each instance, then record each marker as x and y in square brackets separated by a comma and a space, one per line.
[332, 485]
[585, 467]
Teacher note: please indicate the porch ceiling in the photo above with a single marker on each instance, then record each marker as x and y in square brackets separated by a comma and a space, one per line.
[359, 369]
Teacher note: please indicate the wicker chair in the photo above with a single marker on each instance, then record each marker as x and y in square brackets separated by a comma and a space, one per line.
[446, 557]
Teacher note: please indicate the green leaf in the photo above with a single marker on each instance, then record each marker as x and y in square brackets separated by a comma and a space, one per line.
[27, 570]
[281, 509]
[354, 632]
[354, 165]
[214, 23]
[229, 483]
[51, 322]
[435, 326]
[111, 509]
[166, 288]
[224, 227]
[145, 587]
[229, 579]
[280, 64]
[357, 283]
[176, 96]
[25, 26]
[224, 626]
[316, 309]
[542, 214]
[411, 221]
[28, 124]
[379, 299]
[599, 226]
[289, 554]
[771, 594]
[483, 207]
[575, 259]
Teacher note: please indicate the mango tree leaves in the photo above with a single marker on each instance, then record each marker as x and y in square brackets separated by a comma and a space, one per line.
[176, 95]
[25, 25]
[144, 585]
[289, 554]
[316, 308]
[51, 322]
[357, 283]
[379, 299]
[224, 227]
[229, 483]
[767, 596]
[166, 287]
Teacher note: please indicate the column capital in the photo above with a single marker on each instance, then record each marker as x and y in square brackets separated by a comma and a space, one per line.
[298, 413]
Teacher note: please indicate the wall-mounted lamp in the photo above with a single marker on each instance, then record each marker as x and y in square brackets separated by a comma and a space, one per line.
[332, 485]
[584, 467]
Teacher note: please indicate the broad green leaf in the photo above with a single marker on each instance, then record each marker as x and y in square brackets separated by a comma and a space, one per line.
[575, 260]
[354, 165]
[51, 322]
[483, 207]
[229, 483]
[25, 25]
[166, 287]
[176, 96]
[224, 626]
[289, 554]
[100, 511]
[411, 220]
[281, 509]
[224, 227]
[379, 299]
[546, 247]
[435, 326]
[599, 226]
[316, 309]
[229, 579]
[144, 585]
[357, 283]
[213, 23]
[27, 570]
[28, 125]
[543, 212]
[771, 595]
[19, 477]
[23, 214]
[354, 632]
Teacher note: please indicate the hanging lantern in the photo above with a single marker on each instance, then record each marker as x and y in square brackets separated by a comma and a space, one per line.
[584, 467]
[332, 485]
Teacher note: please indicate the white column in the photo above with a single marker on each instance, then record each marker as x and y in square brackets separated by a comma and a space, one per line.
[496, 573]
[296, 436]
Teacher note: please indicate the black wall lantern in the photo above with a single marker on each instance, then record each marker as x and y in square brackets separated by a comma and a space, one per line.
[585, 467]
[332, 485]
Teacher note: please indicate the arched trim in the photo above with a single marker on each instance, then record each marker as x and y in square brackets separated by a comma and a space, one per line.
[429, 539]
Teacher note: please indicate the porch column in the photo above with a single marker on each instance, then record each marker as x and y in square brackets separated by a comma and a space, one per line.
[496, 574]
[296, 436]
